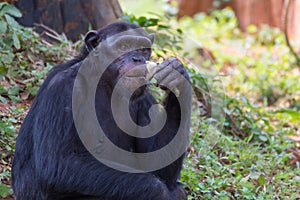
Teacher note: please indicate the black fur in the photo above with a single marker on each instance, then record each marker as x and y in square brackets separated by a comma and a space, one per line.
[51, 162]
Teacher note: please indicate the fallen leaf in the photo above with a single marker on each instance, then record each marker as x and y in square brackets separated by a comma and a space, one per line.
[296, 138]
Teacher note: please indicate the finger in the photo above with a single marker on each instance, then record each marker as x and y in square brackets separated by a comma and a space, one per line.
[151, 73]
[160, 75]
[176, 64]
[154, 70]
[172, 62]
[163, 65]
[170, 77]
[174, 83]
[172, 59]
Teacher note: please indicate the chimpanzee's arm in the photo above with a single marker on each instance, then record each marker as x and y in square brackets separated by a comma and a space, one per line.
[173, 75]
[84, 175]
[170, 174]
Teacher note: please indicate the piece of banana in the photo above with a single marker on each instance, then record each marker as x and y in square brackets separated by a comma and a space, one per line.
[150, 76]
[151, 71]
[150, 65]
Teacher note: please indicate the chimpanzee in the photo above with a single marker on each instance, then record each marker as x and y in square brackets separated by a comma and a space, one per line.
[52, 162]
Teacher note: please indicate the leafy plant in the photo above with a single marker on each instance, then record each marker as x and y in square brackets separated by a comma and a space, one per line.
[5, 190]
[9, 27]
[25, 59]
[168, 40]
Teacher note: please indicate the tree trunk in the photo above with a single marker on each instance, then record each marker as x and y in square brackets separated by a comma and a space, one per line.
[252, 12]
[69, 16]
[192, 7]
[258, 12]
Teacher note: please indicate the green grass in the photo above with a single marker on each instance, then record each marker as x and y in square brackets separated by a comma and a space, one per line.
[262, 94]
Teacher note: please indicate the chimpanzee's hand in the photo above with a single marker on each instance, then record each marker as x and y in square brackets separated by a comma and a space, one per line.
[170, 73]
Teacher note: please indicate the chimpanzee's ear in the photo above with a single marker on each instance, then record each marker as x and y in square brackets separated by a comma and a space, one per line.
[91, 40]
[151, 37]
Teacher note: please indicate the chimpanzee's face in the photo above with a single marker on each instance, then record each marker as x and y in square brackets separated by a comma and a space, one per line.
[130, 51]
[130, 68]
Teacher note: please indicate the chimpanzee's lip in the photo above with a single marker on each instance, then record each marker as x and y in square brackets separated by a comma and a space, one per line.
[136, 72]
[131, 76]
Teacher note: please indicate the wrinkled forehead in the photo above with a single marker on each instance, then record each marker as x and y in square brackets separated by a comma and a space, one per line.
[138, 37]
[138, 32]
[130, 40]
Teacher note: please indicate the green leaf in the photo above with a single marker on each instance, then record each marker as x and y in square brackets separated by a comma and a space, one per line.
[3, 100]
[7, 58]
[141, 20]
[14, 98]
[152, 22]
[11, 21]
[4, 190]
[2, 5]
[16, 41]
[263, 138]
[295, 115]
[11, 10]
[14, 91]
[179, 31]
[3, 27]
[261, 180]
[162, 27]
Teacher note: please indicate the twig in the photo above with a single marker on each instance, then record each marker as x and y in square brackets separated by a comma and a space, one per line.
[285, 12]
[53, 36]
[15, 80]
[18, 81]
[50, 32]
[53, 32]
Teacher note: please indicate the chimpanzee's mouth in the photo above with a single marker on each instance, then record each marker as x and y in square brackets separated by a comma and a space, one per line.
[138, 82]
[135, 76]
[139, 71]
[134, 85]
[135, 80]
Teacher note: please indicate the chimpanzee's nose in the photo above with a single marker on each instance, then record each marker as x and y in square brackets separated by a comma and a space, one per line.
[138, 58]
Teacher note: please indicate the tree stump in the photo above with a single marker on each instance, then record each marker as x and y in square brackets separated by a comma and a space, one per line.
[69, 16]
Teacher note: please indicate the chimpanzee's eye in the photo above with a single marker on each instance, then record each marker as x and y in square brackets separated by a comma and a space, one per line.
[124, 47]
[146, 52]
